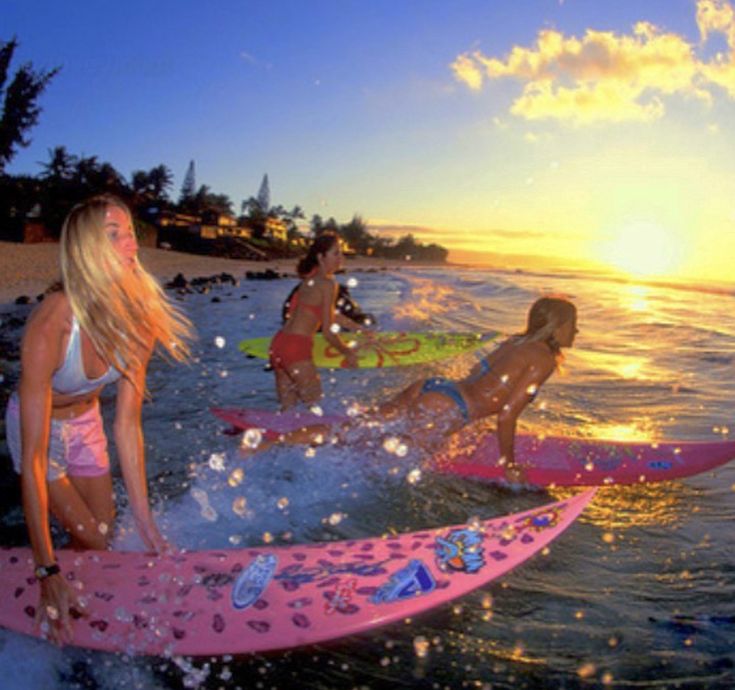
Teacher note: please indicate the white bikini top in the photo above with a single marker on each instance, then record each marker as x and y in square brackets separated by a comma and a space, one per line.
[69, 378]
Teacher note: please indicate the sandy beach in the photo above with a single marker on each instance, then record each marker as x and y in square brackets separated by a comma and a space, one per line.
[28, 269]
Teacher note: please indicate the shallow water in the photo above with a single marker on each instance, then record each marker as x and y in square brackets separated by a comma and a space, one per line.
[597, 611]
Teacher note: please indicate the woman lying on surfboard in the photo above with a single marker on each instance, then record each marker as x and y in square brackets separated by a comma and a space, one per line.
[501, 384]
[312, 306]
[100, 326]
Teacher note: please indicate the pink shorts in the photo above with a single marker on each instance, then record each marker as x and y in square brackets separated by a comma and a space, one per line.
[77, 446]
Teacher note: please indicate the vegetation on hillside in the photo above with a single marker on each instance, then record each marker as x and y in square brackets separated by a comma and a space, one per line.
[66, 179]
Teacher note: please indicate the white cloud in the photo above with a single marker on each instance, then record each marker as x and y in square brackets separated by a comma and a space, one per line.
[607, 76]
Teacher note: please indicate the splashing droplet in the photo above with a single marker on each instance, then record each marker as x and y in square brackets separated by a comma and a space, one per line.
[420, 646]
[217, 462]
[391, 444]
[236, 477]
[414, 476]
[209, 513]
[252, 438]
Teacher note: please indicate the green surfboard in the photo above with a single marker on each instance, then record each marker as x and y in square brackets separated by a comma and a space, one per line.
[384, 348]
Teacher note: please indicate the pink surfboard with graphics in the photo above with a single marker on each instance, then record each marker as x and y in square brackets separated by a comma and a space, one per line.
[260, 599]
[547, 460]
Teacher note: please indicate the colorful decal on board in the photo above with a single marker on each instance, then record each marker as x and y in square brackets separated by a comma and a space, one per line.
[296, 575]
[412, 581]
[253, 581]
[340, 600]
[542, 520]
[460, 550]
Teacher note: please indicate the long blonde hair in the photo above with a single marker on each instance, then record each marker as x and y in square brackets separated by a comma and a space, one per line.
[545, 316]
[123, 310]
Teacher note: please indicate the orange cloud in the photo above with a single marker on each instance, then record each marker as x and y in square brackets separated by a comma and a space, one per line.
[605, 76]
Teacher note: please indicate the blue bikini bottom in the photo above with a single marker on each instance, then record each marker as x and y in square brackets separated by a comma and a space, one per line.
[448, 388]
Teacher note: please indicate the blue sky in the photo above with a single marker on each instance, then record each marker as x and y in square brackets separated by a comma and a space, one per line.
[416, 115]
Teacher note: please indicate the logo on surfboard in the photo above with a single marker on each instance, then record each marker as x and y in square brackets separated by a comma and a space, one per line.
[252, 581]
[412, 581]
[460, 551]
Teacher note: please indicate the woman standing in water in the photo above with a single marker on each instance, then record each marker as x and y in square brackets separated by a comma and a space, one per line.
[501, 385]
[312, 306]
[100, 327]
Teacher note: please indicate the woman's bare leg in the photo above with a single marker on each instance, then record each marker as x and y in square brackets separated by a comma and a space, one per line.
[85, 508]
[308, 383]
[402, 402]
[285, 390]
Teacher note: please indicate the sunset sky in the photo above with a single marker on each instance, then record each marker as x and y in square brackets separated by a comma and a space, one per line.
[570, 130]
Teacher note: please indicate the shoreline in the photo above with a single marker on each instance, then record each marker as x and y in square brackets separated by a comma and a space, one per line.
[28, 269]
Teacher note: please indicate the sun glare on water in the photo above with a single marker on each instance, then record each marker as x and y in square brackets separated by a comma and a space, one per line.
[643, 249]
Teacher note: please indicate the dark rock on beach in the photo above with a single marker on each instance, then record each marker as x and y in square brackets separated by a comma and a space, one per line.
[268, 274]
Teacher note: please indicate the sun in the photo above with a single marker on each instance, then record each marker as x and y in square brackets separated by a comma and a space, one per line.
[643, 248]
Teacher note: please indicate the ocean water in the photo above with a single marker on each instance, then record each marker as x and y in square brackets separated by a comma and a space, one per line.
[637, 594]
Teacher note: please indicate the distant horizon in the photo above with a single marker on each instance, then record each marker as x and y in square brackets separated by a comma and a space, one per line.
[598, 271]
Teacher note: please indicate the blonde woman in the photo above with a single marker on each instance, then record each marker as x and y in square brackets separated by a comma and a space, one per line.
[101, 327]
[502, 384]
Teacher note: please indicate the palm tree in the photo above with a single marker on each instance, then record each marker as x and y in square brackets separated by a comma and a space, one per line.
[20, 110]
[152, 187]
[60, 166]
[161, 179]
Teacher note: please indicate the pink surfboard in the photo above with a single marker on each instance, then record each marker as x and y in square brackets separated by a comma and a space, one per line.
[547, 461]
[260, 599]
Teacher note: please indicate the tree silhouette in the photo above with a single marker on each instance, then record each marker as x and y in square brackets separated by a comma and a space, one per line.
[264, 194]
[189, 187]
[20, 110]
[152, 187]
[356, 234]
[60, 166]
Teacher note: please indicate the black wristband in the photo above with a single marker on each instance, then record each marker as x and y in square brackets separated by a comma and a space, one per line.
[43, 571]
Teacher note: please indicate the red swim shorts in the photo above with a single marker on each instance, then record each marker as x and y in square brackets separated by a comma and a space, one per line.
[289, 348]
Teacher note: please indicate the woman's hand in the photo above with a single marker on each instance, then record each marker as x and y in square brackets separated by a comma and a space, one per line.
[54, 609]
[350, 360]
[152, 538]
